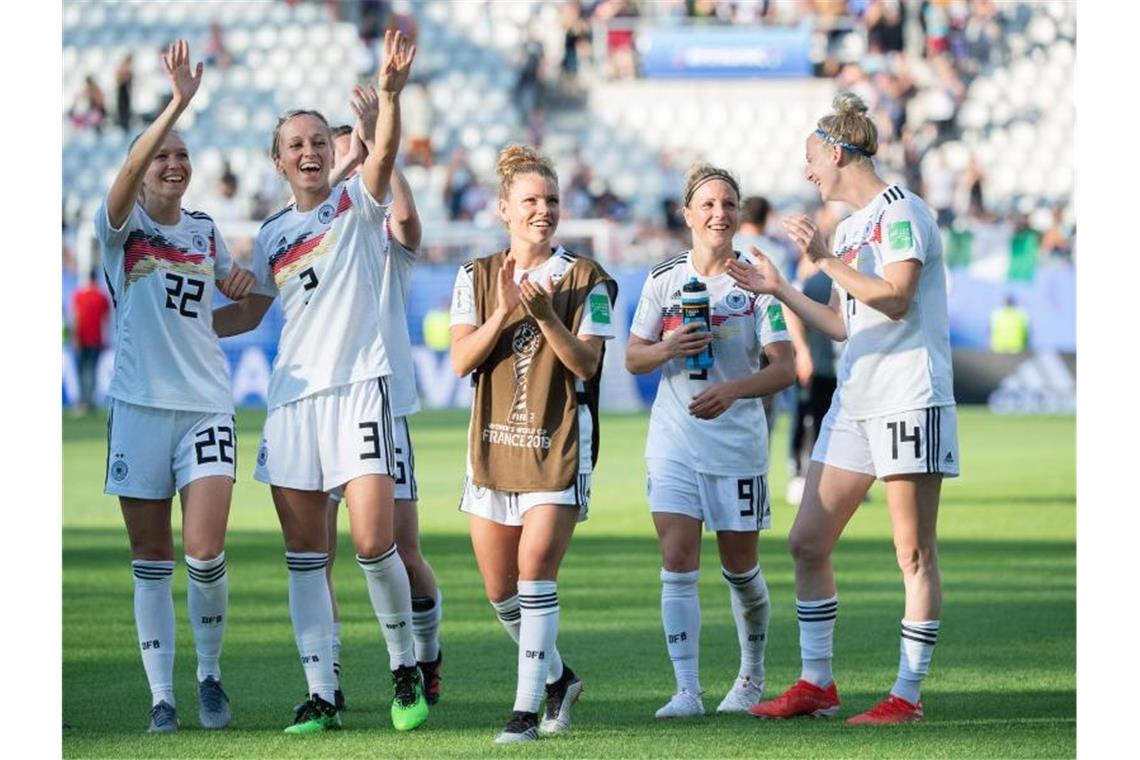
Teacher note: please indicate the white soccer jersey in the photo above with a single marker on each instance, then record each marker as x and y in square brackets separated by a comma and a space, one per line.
[161, 280]
[891, 366]
[736, 442]
[596, 320]
[326, 264]
[394, 286]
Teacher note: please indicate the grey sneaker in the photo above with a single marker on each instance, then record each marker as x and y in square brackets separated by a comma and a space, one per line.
[163, 719]
[213, 704]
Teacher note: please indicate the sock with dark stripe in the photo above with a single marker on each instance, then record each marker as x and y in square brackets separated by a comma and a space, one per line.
[750, 610]
[154, 620]
[510, 616]
[681, 617]
[207, 599]
[538, 630]
[392, 602]
[916, 646]
[310, 609]
[817, 630]
[426, 613]
[336, 647]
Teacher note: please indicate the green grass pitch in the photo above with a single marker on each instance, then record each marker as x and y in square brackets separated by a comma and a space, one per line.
[1002, 683]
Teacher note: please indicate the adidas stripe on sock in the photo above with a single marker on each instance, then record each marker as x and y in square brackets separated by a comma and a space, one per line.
[207, 599]
[817, 631]
[750, 610]
[538, 630]
[310, 609]
[916, 646]
[154, 621]
[392, 602]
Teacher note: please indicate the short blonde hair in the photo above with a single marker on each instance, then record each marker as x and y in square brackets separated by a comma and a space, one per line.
[515, 160]
[850, 127]
[699, 174]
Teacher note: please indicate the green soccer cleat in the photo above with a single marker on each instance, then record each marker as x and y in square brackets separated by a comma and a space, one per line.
[314, 716]
[409, 706]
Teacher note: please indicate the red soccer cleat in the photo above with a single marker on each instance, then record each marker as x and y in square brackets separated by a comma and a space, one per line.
[804, 698]
[890, 711]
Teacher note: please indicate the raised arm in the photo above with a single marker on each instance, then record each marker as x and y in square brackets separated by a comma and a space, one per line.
[128, 182]
[892, 294]
[764, 277]
[376, 173]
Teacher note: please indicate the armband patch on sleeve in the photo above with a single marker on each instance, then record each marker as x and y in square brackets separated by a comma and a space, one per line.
[776, 318]
[898, 235]
[600, 308]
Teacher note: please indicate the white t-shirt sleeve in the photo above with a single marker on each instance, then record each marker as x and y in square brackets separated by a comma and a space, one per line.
[264, 284]
[770, 324]
[597, 319]
[463, 299]
[902, 235]
[108, 235]
[223, 261]
[648, 317]
[372, 211]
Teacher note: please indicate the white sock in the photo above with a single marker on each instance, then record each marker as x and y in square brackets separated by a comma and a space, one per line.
[538, 630]
[426, 614]
[750, 610]
[392, 602]
[154, 619]
[681, 618]
[207, 599]
[510, 616]
[310, 609]
[817, 630]
[336, 648]
[916, 646]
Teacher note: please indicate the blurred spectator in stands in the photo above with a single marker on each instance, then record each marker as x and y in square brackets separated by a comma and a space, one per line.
[371, 19]
[90, 309]
[416, 115]
[936, 26]
[939, 186]
[403, 19]
[459, 180]
[575, 45]
[90, 106]
[227, 205]
[528, 83]
[215, 53]
[1057, 242]
[943, 96]
[619, 35]
[124, 81]
[884, 20]
[578, 200]
[1009, 328]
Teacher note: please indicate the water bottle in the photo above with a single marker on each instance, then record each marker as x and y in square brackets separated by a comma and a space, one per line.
[695, 308]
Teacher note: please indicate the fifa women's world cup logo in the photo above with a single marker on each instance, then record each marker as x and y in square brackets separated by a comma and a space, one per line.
[525, 344]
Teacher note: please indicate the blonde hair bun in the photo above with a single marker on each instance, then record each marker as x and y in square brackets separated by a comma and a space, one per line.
[848, 103]
[515, 160]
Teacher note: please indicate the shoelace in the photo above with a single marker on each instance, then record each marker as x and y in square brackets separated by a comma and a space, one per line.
[309, 710]
[520, 722]
[405, 678]
[160, 715]
[888, 708]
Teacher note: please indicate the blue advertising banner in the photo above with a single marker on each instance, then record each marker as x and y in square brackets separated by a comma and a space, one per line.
[725, 52]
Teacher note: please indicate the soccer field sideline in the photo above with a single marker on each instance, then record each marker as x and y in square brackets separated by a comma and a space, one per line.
[1008, 550]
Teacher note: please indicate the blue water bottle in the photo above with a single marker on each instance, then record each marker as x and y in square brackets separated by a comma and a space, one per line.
[695, 308]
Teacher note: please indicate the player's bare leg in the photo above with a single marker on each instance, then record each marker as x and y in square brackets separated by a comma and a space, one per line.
[913, 504]
[680, 539]
[152, 563]
[371, 511]
[831, 496]
[205, 514]
[751, 609]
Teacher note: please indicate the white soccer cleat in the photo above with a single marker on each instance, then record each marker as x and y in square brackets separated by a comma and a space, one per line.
[683, 704]
[745, 693]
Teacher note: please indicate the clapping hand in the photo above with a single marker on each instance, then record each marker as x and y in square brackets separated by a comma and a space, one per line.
[803, 232]
[761, 277]
[509, 297]
[536, 298]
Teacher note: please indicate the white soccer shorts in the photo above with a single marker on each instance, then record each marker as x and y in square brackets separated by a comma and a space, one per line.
[905, 443]
[322, 441]
[721, 502]
[507, 507]
[406, 487]
[153, 453]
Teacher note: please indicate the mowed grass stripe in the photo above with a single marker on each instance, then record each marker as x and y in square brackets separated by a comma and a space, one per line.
[1003, 676]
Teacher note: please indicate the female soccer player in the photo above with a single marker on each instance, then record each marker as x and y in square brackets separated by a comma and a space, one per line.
[352, 145]
[531, 322]
[329, 422]
[893, 414]
[171, 425]
[707, 449]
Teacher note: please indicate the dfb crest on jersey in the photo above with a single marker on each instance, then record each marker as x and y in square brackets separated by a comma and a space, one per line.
[325, 215]
[198, 241]
[119, 469]
[736, 300]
